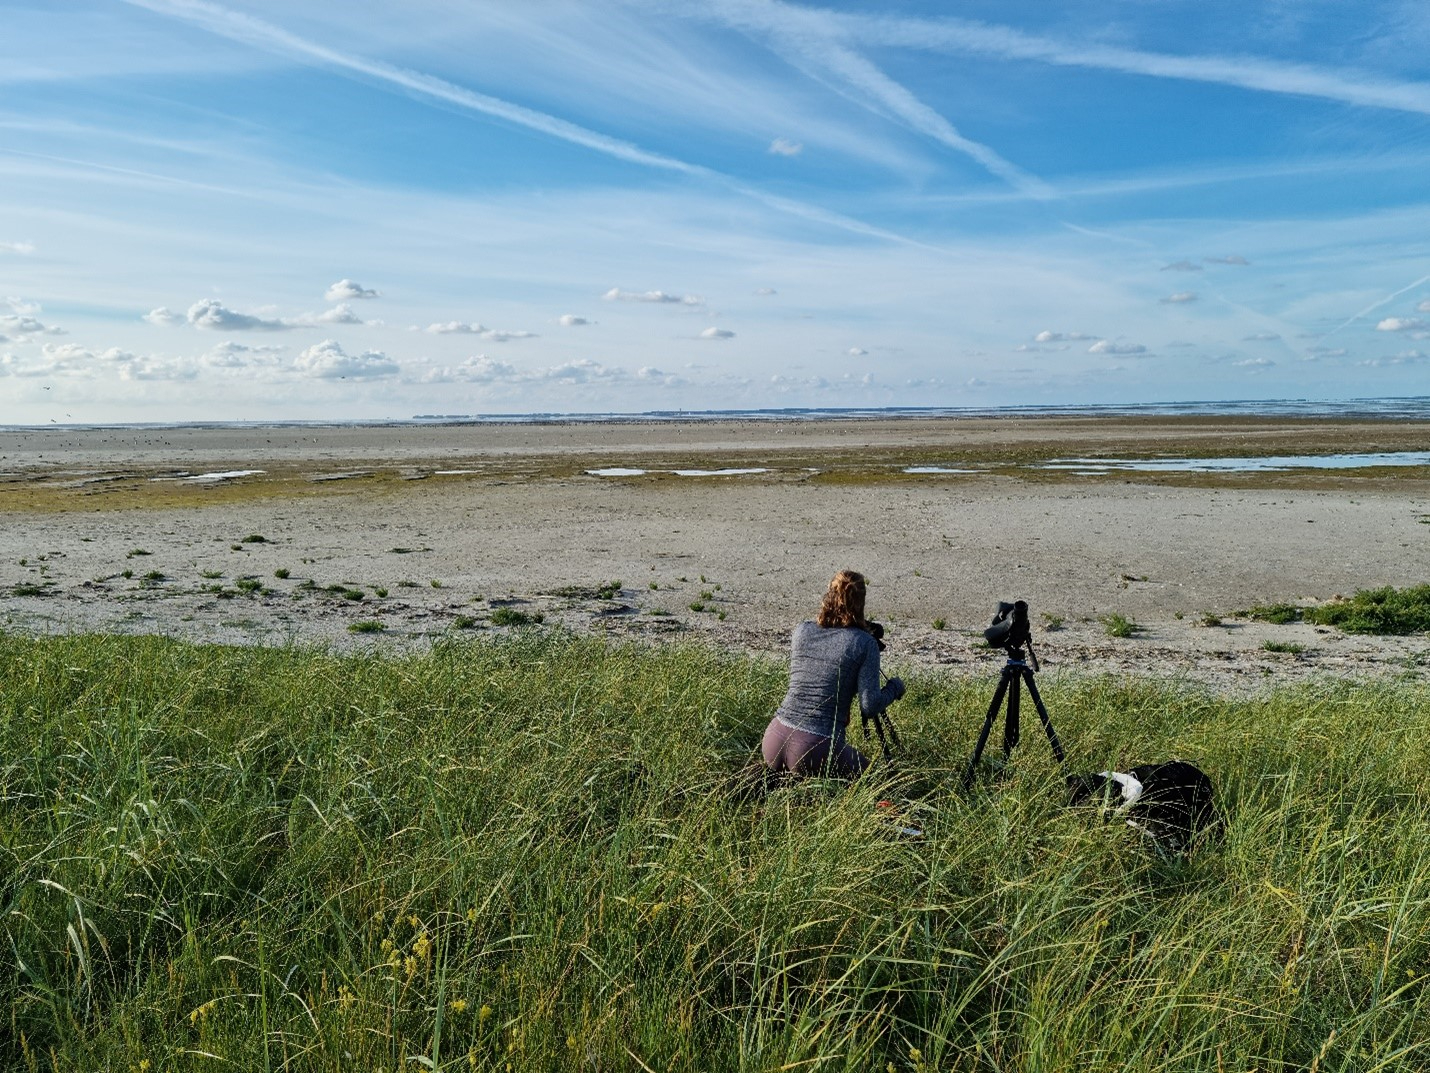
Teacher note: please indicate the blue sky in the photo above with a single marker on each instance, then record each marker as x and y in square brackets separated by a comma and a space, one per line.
[261, 209]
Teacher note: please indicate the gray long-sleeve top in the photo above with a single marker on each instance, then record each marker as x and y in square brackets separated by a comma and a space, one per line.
[828, 668]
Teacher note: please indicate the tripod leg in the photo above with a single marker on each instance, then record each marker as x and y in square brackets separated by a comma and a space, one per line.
[883, 742]
[1043, 715]
[987, 728]
[1011, 729]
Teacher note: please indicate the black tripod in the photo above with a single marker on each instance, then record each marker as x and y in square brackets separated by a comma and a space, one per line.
[886, 731]
[1016, 673]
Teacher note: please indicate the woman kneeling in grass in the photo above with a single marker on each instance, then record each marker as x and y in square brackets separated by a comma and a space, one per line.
[834, 658]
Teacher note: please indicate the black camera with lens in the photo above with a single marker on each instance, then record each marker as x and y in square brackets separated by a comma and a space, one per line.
[1010, 627]
[876, 631]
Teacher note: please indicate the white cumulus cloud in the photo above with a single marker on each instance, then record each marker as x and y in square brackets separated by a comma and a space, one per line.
[1405, 357]
[615, 294]
[1180, 297]
[18, 326]
[328, 361]
[213, 315]
[18, 247]
[584, 371]
[1423, 307]
[345, 289]
[856, 352]
[1060, 337]
[457, 327]
[341, 313]
[717, 333]
[571, 320]
[786, 147]
[1254, 363]
[21, 306]
[1401, 324]
[164, 317]
[1107, 346]
[231, 355]
[66, 355]
[478, 370]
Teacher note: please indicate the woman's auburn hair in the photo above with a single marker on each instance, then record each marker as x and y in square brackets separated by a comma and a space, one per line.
[843, 603]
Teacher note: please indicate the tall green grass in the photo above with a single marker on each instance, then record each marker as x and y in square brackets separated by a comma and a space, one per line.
[539, 853]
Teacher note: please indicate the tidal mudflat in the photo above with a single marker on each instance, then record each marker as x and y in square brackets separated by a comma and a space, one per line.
[727, 531]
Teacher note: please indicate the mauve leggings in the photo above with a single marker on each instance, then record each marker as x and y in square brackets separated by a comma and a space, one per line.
[787, 749]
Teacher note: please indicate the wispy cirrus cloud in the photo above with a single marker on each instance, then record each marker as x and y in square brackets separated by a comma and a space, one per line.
[17, 247]
[814, 40]
[241, 27]
[1247, 72]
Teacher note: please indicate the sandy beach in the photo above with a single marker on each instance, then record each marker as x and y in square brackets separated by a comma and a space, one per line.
[726, 532]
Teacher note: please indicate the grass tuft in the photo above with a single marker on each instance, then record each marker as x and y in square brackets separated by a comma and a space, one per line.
[510, 616]
[1288, 647]
[1119, 625]
[1278, 614]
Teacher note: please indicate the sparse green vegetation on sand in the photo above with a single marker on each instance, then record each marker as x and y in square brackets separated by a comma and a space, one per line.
[536, 851]
[1386, 610]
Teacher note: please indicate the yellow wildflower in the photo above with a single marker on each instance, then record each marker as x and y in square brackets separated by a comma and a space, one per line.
[484, 1013]
[423, 946]
[411, 966]
[458, 1005]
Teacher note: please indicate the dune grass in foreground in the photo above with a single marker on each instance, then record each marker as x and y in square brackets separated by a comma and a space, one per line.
[534, 854]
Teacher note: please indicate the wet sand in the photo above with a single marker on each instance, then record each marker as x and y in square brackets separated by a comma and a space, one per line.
[509, 517]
